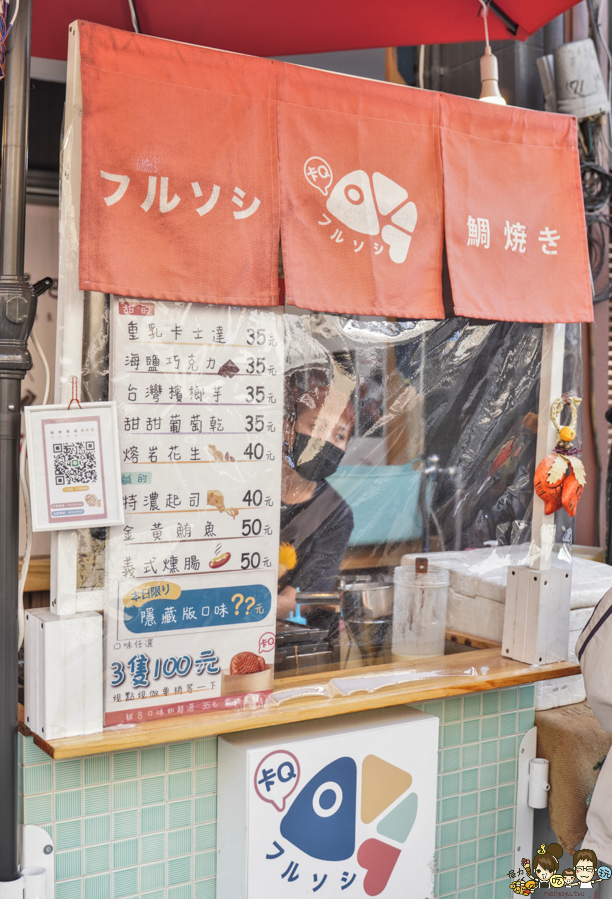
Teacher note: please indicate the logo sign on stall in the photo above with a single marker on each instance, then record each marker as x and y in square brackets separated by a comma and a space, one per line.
[276, 778]
[331, 812]
[319, 174]
[168, 211]
[361, 200]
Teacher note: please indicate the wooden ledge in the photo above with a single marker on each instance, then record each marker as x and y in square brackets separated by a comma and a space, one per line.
[39, 574]
[450, 675]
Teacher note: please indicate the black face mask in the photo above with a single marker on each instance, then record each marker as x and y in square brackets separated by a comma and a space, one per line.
[320, 466]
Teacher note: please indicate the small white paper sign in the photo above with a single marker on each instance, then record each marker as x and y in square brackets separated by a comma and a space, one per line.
[74, 467]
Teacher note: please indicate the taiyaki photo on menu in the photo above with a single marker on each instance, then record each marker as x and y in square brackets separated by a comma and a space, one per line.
[247, 663]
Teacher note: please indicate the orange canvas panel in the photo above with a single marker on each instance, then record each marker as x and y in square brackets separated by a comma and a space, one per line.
[514, 215]
[179, 196]
[361, 195]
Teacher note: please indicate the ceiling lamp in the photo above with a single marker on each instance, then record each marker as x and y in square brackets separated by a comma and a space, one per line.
[489, 72]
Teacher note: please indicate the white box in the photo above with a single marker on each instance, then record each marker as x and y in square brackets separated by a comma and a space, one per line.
[537, 614]
[332, 804]
[550, 694]
[63, 674]
[476, 615]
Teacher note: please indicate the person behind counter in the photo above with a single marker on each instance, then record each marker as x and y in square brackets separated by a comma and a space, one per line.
[315, 520]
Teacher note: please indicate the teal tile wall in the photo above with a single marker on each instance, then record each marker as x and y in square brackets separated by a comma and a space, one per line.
[480, 736]
[143, 823]
[127, 824]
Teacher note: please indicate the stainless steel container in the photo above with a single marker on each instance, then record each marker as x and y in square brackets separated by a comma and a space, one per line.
[367, 610]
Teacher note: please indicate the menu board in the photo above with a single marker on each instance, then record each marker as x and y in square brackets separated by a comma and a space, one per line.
[190, 616]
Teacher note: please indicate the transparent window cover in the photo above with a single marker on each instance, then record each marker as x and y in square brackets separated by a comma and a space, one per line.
[343, 449]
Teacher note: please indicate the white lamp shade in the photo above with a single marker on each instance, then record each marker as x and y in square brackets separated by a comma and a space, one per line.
[489, 77]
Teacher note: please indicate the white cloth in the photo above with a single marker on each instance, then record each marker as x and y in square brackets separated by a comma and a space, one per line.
[599, 817]
[593, 652]
[593, 649]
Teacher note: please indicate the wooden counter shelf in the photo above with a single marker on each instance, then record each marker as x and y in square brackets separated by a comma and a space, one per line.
[449, 675]
[39, 574]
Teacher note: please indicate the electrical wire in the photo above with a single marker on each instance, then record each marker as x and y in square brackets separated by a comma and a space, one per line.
[14, 14]
[43, 359]
[598, 227]
[485, 13]
[596, 186]
[25, 488]
[4, 30]
[439, 530]
[25, 563]
[594, 430]
[597, 193]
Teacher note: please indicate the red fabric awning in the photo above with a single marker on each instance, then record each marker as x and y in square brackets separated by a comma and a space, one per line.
[277, 28]
[179, 194]
[361, 195]
[514, 215]
[182, 149]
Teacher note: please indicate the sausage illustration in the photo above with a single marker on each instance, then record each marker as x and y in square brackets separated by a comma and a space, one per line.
[220, 561]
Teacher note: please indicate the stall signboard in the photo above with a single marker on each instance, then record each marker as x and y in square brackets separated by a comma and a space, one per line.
[514, 213]
[190, 613]
[193, 160]
[343, 806]
[361, 195]
[73, 466]
[179, 195]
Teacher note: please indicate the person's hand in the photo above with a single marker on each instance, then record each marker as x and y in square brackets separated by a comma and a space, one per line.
[285, 603]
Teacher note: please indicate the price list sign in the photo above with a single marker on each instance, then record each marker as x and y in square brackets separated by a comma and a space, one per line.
[190, 617]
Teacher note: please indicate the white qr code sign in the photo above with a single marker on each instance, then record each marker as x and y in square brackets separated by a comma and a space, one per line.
[73, 464]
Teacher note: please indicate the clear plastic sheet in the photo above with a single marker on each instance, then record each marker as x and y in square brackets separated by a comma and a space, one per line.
[434, 426]
[451, 406]
[392, 441]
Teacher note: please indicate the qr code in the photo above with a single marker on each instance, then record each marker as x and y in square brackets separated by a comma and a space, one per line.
[75, 463]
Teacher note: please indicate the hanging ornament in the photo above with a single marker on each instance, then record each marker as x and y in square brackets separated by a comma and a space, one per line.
[560, 477]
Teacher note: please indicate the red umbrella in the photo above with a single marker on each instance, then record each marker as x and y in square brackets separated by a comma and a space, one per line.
[279, 27]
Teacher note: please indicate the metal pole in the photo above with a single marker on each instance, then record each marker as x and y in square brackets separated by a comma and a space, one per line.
[15, 143]
[17, 311]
